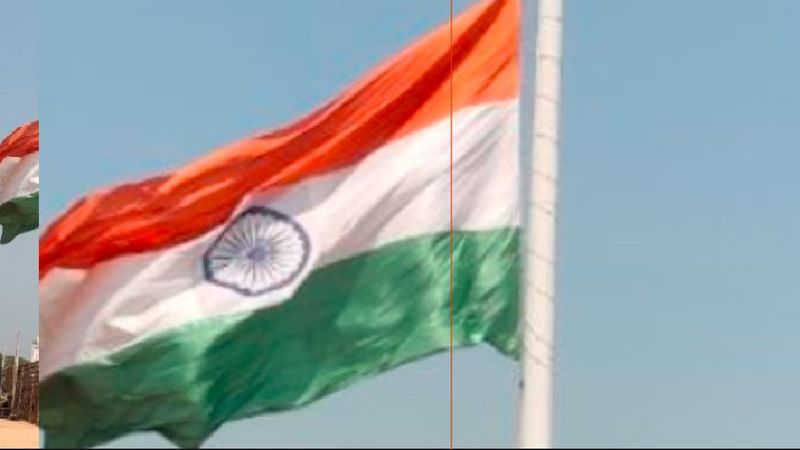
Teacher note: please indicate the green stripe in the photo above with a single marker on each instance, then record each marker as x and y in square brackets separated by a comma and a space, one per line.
[19, 215]
[349, 320]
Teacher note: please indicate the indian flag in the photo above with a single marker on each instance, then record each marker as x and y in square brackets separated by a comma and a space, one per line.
[291, 264]
[19, 182]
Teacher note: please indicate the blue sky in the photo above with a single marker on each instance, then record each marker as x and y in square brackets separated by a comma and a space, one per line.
[679, 251]
[19, 58]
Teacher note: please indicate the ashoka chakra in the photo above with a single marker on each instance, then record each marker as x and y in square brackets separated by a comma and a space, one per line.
[260, 251]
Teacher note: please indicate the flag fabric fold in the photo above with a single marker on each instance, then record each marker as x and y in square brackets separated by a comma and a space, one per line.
[291, 264]
[19, 182]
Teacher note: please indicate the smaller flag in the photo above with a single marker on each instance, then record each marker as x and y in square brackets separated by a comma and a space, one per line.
[19, 182]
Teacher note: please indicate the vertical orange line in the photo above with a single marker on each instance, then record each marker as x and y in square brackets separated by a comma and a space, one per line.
[451, 224]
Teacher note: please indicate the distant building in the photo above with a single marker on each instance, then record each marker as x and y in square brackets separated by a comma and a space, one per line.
[35, 350]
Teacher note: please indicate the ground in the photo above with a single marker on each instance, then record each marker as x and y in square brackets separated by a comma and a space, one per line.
[18, 434]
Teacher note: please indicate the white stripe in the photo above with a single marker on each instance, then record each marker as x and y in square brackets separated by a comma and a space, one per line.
[19, 176]
[398, 192]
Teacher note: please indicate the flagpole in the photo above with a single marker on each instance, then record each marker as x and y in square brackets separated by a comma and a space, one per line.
[540, 198]
[14, 375]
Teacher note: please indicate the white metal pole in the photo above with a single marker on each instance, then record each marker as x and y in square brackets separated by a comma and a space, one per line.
[535, 415]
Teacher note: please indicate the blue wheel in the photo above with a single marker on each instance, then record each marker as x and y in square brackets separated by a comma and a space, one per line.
[260, 251]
